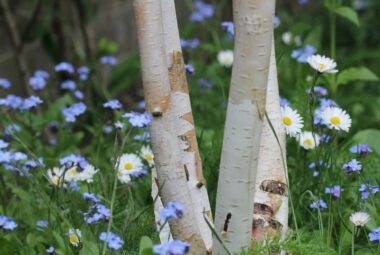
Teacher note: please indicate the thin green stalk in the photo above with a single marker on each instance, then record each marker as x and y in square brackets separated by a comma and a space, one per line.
[111, 212]
[113, 197]
[353, 242]
[320, 222]
[329, 223]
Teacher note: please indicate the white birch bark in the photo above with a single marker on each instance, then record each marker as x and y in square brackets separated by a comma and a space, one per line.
[245, 115]
[171, 174]
[184, 121]
[271, 200]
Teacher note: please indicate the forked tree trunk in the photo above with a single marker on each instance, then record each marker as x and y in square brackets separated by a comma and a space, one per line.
[271, 192]
[245, 115]
[184, 121]
[171, 174]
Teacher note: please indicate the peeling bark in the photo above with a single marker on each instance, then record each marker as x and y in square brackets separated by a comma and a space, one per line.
[245, 115]
[184, 122]
[271, 189]
[167, 154]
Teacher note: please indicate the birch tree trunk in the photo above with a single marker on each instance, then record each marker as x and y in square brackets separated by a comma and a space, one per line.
[245, 115]
[271, 191]
[184, 122]
[171, 174]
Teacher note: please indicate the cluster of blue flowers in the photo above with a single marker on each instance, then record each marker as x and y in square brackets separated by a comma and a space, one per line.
[301, 54]
[5, 83]
[175, 247]
[65, 67]
[229, 27]
[367, 189]
[189, 69]
[318, 204]
[137, 119]
[334, 191]
[68, 85]
[17, 161]
[190, 43]
[352, 166]
[113, 241]
[15, 102]
[50, 250]
[113, 104]
[145, 136]
[39, 80]
[83, 73]
[109, 60]
[7, 223]
[374, 235]
[97, 211]
[202, 11]
[71, 113]
[361, 149]
[73, 159]
[173, 211]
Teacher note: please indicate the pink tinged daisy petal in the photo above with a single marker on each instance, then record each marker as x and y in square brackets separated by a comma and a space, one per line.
[360, 218]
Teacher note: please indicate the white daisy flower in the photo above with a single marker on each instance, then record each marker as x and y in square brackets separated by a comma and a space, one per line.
[360, 218]
[72, 174]
[336, 118]
[322, 64]
[292, 121]
[55, 175]
[74, 236]
[87, 174]
[308, 141]
[129, 163]
[287, 37]
[123, 177]
[147, 154]
[226, 58]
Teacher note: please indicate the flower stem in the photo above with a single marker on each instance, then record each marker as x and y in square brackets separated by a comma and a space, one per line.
[353, 242]
[111, 213]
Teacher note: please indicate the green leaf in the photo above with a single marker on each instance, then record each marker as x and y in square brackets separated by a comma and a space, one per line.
[146, 246]
[370, 137]
[349, 14]
[89, 248]
[125, 75]
[356, 74]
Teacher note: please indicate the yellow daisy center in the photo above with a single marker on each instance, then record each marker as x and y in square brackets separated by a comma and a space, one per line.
[335, 120]
[322, 66]
[308, 141]
[128, 166]
[148, 156]
[287, 121]
[55, 180]
[74, 239]
[73, 171]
